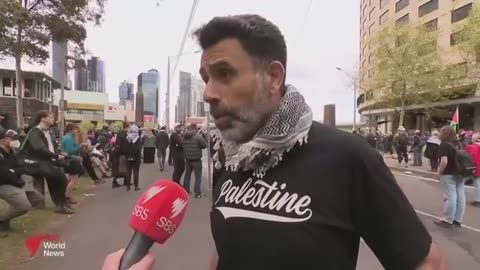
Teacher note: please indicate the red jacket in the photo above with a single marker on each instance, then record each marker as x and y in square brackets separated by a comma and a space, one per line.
[474, 150]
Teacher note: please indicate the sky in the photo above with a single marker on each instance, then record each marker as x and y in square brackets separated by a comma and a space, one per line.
[138, 35]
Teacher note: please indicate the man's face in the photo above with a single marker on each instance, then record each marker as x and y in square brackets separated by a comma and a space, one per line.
[49, 120]
[240, 94]
[178, 129]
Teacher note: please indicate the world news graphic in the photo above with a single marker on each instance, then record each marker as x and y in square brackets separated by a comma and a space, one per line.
[52, 247]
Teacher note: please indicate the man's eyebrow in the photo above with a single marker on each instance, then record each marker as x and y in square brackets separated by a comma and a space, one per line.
[217, 64]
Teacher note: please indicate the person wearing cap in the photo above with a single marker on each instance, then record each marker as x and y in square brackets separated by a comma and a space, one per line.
[176, 152]
[12, 186]
[417, 148]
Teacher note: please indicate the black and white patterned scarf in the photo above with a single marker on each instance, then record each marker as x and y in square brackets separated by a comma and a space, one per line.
[285, 128]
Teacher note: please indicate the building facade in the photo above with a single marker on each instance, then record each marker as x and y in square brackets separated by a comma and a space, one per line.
[81, 75]
[38, 94]
[96, 75]
[149, 84]
[126, 92]
[190, 99]
[441, 15]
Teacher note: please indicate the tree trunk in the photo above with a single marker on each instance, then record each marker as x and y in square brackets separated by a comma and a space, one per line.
[402, 113]
[19, 90]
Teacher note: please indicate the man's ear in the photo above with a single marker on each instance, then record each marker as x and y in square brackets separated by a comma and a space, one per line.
[276, 72]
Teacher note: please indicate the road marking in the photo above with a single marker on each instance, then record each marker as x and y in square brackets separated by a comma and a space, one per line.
[439, 218]
[423, 178]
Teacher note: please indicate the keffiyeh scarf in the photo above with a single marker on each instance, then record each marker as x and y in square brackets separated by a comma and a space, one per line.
[285, 128]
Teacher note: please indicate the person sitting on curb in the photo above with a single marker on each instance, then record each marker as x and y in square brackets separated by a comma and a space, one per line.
[12, 186]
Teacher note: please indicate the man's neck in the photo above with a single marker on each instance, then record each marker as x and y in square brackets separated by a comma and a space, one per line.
[44, 126]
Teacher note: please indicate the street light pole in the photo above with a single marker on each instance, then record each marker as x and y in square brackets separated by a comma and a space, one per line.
[167, 101]
[61, 107]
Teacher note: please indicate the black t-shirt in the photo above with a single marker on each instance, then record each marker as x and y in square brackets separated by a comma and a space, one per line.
[448, 150]
[310, 211]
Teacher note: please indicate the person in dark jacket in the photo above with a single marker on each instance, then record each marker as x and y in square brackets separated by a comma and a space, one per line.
[193, 144]
[431, 152]
[40, 147]
[12, 186]
[149, 146]
[176, 152]
[131, 150]
[401, 142]
[162, 141]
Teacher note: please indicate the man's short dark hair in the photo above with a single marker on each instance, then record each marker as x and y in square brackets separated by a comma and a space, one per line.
[259, 37]
[42, 114]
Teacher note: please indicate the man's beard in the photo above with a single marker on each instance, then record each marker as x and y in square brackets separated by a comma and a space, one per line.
[248, 119]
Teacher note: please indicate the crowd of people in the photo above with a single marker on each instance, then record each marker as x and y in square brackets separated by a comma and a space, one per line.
[39, 152]
[454, 155]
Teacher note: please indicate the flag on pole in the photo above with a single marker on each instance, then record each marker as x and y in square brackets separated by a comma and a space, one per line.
[455, 119]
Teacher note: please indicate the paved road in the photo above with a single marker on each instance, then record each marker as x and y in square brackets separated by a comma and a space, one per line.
[100, 226]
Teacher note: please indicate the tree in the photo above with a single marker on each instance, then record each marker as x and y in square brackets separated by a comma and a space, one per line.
[117, 126]
[468, 38]
[100, 125]
[407, 67]
[28, 26]
[86, 125]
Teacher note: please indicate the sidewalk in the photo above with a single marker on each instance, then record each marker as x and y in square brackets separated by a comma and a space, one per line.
[423, 171]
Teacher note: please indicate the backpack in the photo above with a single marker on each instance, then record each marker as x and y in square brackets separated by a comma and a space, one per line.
[402, 140]
[464, 162]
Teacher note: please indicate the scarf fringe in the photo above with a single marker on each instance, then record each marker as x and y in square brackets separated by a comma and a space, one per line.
[249, 156]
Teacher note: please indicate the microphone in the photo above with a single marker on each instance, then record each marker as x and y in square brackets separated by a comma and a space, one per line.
[156, 216]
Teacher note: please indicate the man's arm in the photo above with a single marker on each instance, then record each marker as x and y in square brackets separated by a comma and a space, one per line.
[434, 260]
[214, 261]
[38, 145]
[380, 209]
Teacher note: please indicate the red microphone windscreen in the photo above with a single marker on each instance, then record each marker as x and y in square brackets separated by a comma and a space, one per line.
[160, 210]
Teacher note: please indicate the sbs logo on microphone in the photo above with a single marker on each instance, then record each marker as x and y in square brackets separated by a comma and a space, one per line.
[166, 224]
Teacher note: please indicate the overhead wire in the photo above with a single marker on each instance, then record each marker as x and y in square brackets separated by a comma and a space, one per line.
[185, 35]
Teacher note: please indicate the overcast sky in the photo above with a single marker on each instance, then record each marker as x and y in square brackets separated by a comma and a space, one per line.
[137, 36]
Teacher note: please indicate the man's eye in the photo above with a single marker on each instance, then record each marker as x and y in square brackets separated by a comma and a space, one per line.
[224, 74]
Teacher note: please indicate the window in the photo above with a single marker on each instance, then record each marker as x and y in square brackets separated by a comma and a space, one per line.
[383, 3]
[364, 24]
[370, 15]
[370, 29]
[363, 51]
[403, 20]
[401, 39]
[371, 72]
[401, 5]
[364, 63]
[383, 18]
[364, 36]
[461, 13]
[455, 38]
[432, 25]
[428, 7]
[7, 87]
[370, 57]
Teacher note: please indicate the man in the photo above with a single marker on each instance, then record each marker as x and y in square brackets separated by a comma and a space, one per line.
[402, 142]
[176, 152]
[285, 202]
[162, 141]
[193, 144]
[12, 186]
[417, 148]
[44, 161]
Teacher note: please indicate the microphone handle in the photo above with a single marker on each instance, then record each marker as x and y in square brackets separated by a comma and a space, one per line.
[136, 249]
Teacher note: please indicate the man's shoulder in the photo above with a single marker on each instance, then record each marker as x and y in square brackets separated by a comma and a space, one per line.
[323, 135]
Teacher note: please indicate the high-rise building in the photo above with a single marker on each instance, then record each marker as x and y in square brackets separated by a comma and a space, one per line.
[81, 75]
[190, 98]
[184, 99]
[59, 54]
[441, 15]
[96, 75]
[126, 92]
[149, 84]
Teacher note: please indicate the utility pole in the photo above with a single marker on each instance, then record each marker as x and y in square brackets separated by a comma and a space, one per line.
[61, 107]
[167, 98]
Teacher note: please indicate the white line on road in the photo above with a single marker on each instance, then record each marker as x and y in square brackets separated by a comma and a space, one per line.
[439, 218]
[422, 178]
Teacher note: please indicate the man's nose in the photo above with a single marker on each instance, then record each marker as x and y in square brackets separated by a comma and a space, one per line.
[211, 94]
